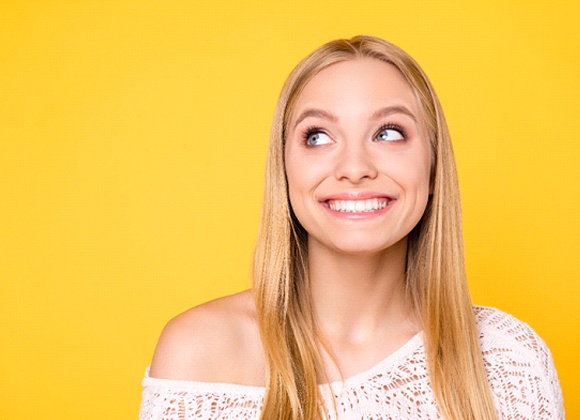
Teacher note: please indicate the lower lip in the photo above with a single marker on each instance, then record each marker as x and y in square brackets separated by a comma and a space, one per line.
[359, 216]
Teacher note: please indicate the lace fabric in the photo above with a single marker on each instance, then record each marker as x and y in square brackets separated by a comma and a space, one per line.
[519, 368]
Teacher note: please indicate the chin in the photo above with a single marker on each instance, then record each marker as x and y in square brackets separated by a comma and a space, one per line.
[364, 247]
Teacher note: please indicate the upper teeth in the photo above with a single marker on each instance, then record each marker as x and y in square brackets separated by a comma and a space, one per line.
[358, 206]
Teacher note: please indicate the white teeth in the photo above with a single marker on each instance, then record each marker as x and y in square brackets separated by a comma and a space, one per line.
[358, 206]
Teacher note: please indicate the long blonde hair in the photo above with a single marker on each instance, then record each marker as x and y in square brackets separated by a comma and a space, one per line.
[436, 280]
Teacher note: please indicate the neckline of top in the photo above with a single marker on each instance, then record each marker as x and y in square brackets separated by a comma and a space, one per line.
[401, 353]
[388, 362]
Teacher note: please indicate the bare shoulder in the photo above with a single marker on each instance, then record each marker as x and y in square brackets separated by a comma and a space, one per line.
[214, 342]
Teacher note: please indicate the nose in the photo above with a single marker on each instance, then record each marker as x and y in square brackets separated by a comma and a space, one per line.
[355, 164]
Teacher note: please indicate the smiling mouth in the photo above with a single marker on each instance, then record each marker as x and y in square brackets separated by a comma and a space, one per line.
[358, 206]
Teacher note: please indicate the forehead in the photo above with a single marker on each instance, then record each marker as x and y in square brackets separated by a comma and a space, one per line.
[361, 84]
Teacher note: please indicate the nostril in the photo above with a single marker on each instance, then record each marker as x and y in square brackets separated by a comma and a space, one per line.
[356, 169]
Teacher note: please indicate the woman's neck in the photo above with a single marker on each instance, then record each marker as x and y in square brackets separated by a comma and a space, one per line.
[356, 297]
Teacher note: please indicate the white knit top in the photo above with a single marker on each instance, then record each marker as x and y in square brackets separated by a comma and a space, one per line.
[519, 369]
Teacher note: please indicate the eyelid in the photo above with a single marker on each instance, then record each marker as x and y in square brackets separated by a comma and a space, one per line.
[394, 127]
[304, 134]
[312, 130]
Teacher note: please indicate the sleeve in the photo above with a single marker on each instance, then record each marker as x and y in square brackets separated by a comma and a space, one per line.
[160, 404]
[521, 372]
[165, 399]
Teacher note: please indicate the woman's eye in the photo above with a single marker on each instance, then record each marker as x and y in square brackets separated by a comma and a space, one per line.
[390, 134]
[317, 138]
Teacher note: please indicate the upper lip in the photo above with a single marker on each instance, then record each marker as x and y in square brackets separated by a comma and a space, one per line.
[356, 195]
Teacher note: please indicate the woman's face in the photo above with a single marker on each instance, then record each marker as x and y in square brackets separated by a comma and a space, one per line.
[357, 157]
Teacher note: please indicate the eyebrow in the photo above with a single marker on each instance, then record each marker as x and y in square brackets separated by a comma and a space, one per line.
[313, 112]
[395, 109]
[381, 113]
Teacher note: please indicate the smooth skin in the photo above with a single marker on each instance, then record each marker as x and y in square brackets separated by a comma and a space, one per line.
[356, 134]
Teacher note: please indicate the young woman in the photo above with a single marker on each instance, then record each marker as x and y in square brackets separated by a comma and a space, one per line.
[359, 307]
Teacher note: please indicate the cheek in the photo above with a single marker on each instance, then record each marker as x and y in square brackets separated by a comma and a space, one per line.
[292, 177]
[296, 179]
[297, 193]
[422, 165]
[411, 172]
[423, 184]
[303, 172]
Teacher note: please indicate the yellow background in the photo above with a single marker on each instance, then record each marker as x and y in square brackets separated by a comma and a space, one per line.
[132, 145]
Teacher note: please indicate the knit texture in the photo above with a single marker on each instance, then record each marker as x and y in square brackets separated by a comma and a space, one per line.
[520, 371]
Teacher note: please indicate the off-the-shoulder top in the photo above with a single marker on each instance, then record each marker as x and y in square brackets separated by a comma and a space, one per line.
[519, 366]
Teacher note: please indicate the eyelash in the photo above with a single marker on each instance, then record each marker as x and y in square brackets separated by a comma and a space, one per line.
[392, 126]
[315, 129]
[310, 131]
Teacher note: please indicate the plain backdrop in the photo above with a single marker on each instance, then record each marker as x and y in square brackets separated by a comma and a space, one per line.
[132, 145]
